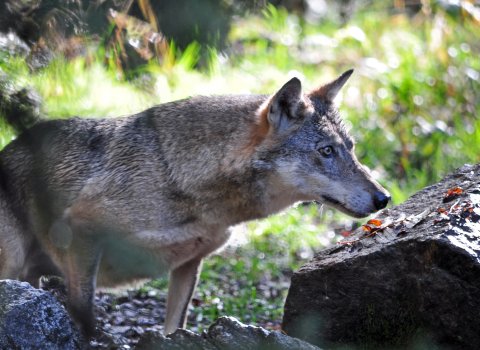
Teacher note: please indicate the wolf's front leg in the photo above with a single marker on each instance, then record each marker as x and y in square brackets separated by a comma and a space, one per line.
[183, 280]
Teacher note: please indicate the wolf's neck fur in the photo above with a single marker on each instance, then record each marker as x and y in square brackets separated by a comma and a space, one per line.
[225, 176]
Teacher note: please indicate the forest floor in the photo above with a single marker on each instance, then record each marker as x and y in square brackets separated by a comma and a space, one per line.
[248, 279]
[123, 318]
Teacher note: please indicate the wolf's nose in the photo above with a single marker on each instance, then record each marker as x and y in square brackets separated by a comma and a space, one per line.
[380, 200]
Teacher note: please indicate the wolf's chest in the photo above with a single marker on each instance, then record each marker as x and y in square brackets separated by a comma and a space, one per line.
[150, 254]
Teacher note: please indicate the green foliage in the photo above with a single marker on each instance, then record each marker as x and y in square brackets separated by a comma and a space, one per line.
[251, 277]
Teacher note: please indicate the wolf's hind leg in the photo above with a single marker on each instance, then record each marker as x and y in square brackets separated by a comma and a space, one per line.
[182, 283]
[12, 258]
[78, 259]
[80, 265]
[12, 243]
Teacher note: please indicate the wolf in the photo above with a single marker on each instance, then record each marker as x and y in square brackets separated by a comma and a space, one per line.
[101, 202]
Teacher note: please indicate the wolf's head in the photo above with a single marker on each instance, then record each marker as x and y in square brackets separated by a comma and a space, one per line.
[313, 154]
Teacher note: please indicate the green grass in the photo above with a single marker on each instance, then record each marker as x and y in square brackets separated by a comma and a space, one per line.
[412, 104]
[250, 278]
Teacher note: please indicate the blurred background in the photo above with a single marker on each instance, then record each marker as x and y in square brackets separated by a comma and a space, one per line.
[413, 103]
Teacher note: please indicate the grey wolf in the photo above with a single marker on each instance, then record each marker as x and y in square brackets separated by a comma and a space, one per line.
[107, 201]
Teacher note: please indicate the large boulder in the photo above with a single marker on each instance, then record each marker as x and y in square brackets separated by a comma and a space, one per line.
[411, 279]
[33, 319]
[226, 333]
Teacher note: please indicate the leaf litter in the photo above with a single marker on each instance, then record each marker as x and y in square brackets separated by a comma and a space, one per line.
[465, 209]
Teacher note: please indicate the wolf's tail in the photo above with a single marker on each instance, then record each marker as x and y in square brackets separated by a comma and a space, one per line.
[20, 108]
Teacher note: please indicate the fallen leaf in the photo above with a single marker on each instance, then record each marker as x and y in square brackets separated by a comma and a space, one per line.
[366, 228]
[455, 190]
[452, 193]
[374, 222]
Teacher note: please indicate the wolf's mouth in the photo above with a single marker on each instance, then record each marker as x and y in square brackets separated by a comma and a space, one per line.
[332, 200]
[340, 206]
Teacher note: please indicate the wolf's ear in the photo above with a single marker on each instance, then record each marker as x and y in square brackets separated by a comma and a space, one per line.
[329, 91]
[284, 105]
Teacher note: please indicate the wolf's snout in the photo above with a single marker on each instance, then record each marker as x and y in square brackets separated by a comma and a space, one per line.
[380, 200]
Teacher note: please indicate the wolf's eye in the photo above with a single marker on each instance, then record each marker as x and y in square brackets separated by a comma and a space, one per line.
[326, 151]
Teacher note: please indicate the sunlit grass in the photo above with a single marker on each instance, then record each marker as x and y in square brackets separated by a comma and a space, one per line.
[75, 88]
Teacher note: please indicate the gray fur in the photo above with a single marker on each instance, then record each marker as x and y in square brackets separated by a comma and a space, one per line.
[138, 196]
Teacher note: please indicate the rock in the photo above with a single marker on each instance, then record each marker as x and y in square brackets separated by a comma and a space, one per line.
[18, 105]
[225, 333]
[12, 45]
[414, 281]
[33, 319]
